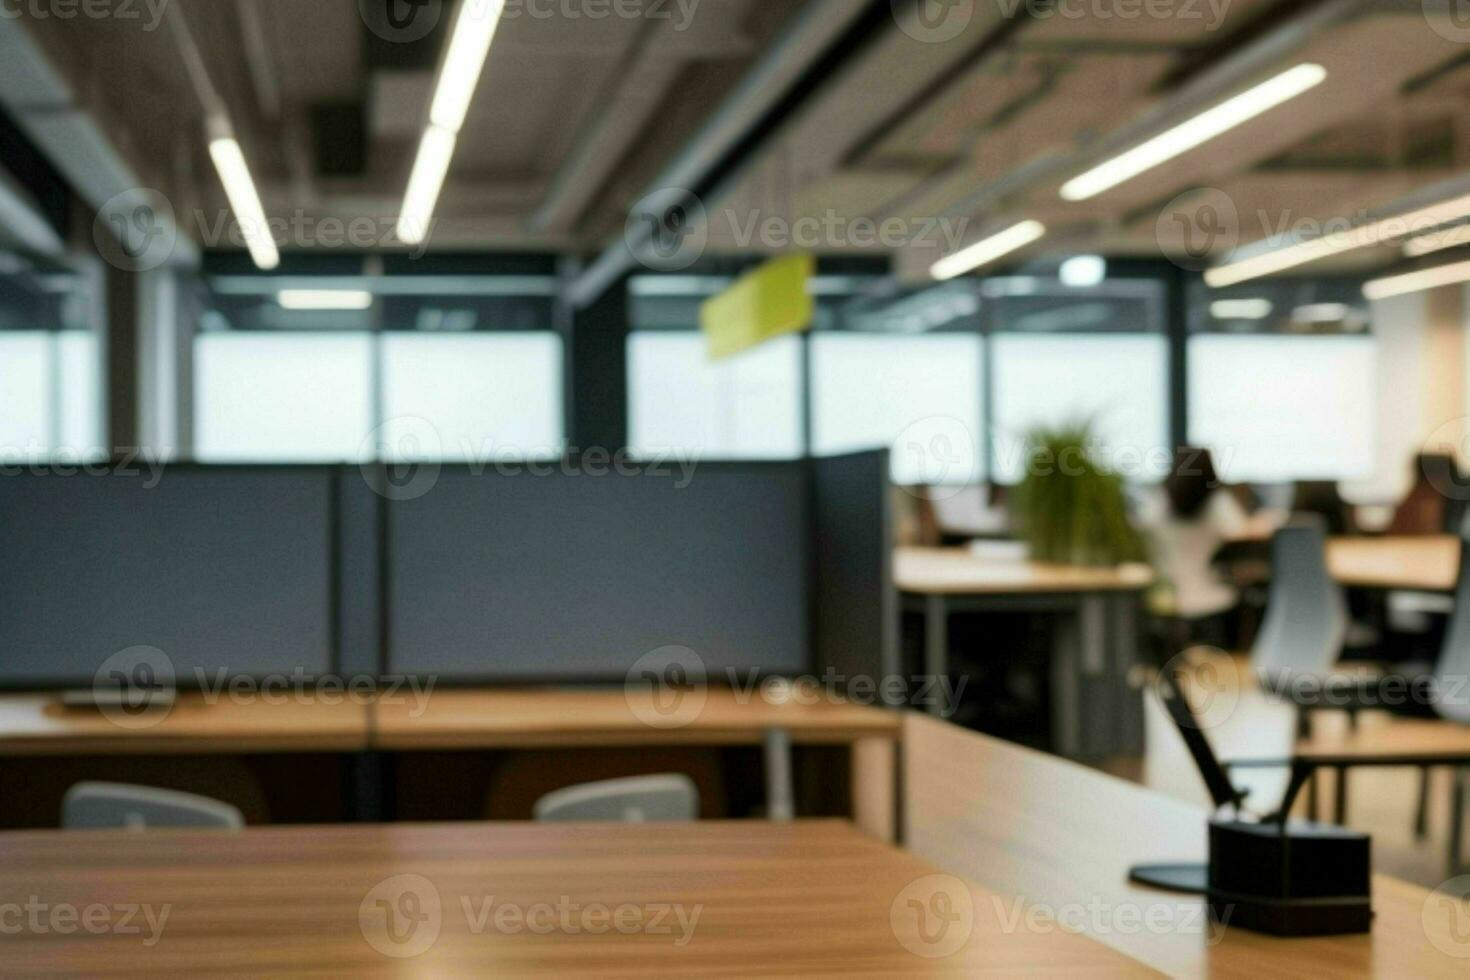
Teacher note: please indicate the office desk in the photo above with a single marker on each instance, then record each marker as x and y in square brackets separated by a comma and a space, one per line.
[37, 724]
[1422, 743]
[772, 900]
[1421, 564]
[716, 716]
[1024, 823]
[1093, 708]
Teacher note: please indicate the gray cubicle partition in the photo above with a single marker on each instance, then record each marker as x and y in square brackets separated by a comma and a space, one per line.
[569, 576]
[220, 568]
[760, 568]
[855, 603]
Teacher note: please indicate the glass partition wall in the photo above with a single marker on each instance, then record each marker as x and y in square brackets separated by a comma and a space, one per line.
[51, 388]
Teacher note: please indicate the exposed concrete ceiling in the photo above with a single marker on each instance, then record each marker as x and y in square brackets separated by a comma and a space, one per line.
[576, 116]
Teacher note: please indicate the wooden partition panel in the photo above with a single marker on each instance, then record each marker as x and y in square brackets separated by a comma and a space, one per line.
[1064, 836]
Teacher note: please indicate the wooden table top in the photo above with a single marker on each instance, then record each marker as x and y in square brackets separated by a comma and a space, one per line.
[510, 900]
[565, 718]
[1427, 564]
[38, 724]
[1393, 738]
[1064, 836]
[958, 571]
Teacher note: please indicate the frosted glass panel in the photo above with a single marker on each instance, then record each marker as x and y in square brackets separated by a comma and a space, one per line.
[25, 395]
[744, 407]
[1275, 408]
[484, 397]
[872, 391]
[81, 403]
[283, 397]
[1119, 382]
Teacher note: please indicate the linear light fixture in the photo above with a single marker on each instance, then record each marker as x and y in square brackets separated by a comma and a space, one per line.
[1193, 132]
[1241, 309]
[429, 170]
[324, 299]
[459, 77]
[229, 160]
[1300, 253]
[1435, 241]
[1415, 282]
[1321, 313]
[987, 250]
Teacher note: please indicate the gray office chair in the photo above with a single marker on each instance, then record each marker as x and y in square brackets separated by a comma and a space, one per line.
[1306, 619]
[1451, 693]
[101, 806]
[641, 799]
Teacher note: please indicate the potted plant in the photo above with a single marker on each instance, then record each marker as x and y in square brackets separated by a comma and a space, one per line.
[1071, 508]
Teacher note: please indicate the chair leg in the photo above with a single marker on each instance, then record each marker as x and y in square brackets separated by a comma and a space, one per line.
[1340, 803]
[1421, 815]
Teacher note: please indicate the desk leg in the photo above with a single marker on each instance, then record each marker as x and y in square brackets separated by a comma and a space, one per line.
[936, 651]
[366, 794]
[780, 796]
[1128, 726]
[873, 787]
[1066, 685]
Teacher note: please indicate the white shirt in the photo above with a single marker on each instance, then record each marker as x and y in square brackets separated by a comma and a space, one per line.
[1182, 550]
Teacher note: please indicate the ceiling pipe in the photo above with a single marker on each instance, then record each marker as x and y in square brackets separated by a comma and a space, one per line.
[46, 108]
[822, 37]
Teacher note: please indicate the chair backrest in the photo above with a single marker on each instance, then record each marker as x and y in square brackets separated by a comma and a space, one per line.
[100, 806]
[1306, 617]
[641, 799]
[1452, 669]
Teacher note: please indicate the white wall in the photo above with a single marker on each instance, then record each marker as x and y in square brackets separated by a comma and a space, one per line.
[1421, 390]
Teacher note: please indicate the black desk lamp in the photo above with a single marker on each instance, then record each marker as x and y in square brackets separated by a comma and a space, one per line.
[1292, 879]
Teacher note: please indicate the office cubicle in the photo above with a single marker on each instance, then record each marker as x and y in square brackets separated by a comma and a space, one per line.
[487, 577]
[231, 569]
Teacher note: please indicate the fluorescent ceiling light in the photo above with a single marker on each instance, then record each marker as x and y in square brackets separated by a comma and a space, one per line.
[245, 202]
[324, 299]
[1414, 282]
[1193, 132]
[1377, 232]
[1241, 309]
[988, 250]
[429, 170]
[474, 29]
[1083, 271]
[1320, 313]
[1434, 241]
